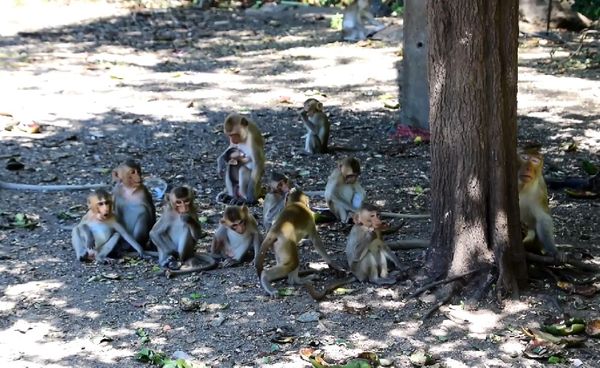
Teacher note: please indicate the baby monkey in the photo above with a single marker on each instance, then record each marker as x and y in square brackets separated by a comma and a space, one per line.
[98, 232]
[279, 187]
[366, 252]
[176, 233]
[317, 126]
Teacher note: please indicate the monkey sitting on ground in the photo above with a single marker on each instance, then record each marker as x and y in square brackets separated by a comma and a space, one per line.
[366, 252]
[356, 16]
[134, 208]
[343, 192]
[95, 237]
[237, 231]
[279, 187]
[176, 233]
[317, 125]
[244, 135]
[293, 224]
[533, 204]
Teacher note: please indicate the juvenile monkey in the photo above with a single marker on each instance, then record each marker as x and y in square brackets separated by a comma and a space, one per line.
[279, 186]
[533, 204]
[244, 135]
[98, 232]
[356, 16]
[237, 231]
[317, 125]
[133, 202]
[343, 191]
[176, 233]
[294, 223]
[366, 252]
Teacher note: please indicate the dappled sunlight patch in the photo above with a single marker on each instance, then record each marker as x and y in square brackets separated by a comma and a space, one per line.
[88, 314]
[37, 288]
[406, 329]
[478, 322]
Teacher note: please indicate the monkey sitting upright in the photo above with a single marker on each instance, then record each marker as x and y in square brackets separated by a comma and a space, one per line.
[356, 16]
[317, 126]
[249, 166]
[343, 192]
[95, 237]
[533, 204]
[279, 187]
[366, 252]
[134, 208]
[176, 233]
[237, 231]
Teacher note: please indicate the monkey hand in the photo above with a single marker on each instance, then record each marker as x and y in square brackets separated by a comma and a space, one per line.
[232, 162]
[303, 114]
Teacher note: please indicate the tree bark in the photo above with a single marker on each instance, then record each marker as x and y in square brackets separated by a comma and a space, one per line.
[473, 118]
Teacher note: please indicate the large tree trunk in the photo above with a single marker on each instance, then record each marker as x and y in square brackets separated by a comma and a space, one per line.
[473, 118]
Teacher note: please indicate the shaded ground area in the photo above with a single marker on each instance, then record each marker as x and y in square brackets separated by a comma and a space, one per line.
[156, 85]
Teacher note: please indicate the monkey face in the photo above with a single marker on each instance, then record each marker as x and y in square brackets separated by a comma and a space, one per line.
[238, 226]
[350, 178]
[103, 208]
[370, 219]
[181, 205]
[531, 166]
[281, 186]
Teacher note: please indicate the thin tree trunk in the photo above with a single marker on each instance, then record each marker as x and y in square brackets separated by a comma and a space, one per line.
[473, 101]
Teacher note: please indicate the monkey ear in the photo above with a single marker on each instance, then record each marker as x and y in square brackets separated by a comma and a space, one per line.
[244, 121]
[245, 209]
[115, 176]
[320, 106]
[356, 218]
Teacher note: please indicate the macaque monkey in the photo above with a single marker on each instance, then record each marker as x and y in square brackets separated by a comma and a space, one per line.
[176, 233]
[237, 231]
[279, 186]
[133, 202]
[343, 191]
[293, 224]
[533, 204]
[366, 252]
[98, 232]
[317, 126]
[245, 168]
[356, 16]
[234, 161]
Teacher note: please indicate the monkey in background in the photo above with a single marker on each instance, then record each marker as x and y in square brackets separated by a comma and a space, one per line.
[317, 126]
[279, 187]
[356, 16]
[134, 208]
[237, 231]
[343, 192]
[176, 233]
[98, 232]
[244, 135]
[533, 204]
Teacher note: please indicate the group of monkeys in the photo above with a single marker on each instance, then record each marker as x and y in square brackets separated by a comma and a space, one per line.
[126, 217]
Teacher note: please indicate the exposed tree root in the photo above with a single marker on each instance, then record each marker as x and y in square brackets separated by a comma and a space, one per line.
[448, 294]
[439, 282]
[408, 244]
[553, 261]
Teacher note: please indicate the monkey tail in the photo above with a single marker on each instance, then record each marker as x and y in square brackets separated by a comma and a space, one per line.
[209, 264]
[329, 288]
[267, 243]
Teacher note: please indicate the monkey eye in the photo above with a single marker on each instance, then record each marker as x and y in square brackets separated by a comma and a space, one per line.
[524, 157]
[535, 160]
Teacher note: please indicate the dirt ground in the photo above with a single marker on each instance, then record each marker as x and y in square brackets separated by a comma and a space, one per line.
[106, 84]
